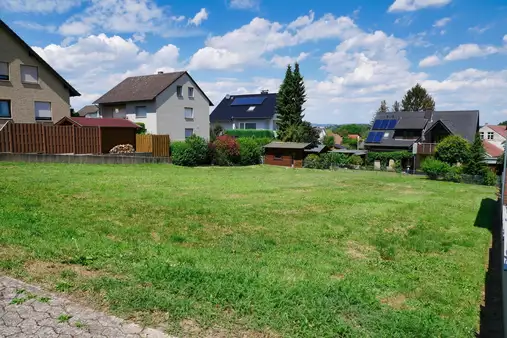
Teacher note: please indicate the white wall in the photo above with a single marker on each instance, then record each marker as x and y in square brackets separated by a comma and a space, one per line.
[128, 111]
[235, 124]
[497, 138]
[171, 111]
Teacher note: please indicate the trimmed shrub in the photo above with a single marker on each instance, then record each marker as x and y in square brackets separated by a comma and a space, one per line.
[452, 150]
[328, 141]
[312, 161]
[355, 160]
[489, 177]
[192, 152]
[250, 152]
[434, 168]
[384, 157]
[337, 159]
[225, 151]
[250, 133]
[142, 129]
[454, 174]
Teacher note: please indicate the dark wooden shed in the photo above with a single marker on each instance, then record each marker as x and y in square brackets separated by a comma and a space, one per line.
[112, 131]
[287, 154]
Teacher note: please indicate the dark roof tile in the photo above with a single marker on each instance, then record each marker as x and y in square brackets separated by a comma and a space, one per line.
[225, 112]
[89, 109]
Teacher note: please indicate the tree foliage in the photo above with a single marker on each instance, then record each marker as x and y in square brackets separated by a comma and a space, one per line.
[452, 150]
[417, 99]
[328, 141]
[303, 132]
[504, 123]
[142, 128]
[383, 107]
[346, 129]
[396, 106]
[476, 165]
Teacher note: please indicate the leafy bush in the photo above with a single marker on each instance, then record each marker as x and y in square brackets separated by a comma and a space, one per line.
[489, 178]
[355, 160]
[337, 159]
[216, 131]
[328, 141]
[384, 157]
[312, 161]
[250, 133]
[192, 152]
[454, 174]
[452, 150]
[250, 151]
[434, 168]
[142, 129]
[225, 151]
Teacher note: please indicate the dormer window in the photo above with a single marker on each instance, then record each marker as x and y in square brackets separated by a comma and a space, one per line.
[251, 108]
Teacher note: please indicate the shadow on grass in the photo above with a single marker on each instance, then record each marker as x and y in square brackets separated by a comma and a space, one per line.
[489, 217]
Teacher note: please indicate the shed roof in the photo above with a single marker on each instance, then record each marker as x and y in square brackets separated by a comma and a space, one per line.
[317, 149]
[89, 109]
[143, 88]
[99, 122]
[31, 52]
[287, 145]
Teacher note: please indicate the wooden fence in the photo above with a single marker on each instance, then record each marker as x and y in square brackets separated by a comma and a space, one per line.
[47, 139]
[159, 145]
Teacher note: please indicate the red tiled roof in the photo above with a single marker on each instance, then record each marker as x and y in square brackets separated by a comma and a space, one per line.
[107, 122]
[498, 129]
[492, 149]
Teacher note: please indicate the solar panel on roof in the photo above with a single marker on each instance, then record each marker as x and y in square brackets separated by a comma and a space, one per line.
[383, 124]
[248, 100]
[378, 136]
[391, 124]
[377, 124]
[370, 137]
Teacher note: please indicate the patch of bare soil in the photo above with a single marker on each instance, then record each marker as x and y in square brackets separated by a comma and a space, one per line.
[358, 251]
[190, 328]
[395, 301]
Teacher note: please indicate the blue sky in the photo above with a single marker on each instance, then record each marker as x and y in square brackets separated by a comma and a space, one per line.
[352, 53]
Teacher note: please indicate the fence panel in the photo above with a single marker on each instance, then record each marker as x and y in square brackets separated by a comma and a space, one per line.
[144, 143]
[87, 140]
[5, 138]
[161, 145]
[59, 139]
[158, 145]
[27, 138]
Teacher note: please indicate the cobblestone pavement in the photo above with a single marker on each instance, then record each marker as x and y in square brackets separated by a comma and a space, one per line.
[27, 311]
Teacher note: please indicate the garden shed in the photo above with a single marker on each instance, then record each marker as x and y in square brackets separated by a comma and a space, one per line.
[289, 154]
[111, 131]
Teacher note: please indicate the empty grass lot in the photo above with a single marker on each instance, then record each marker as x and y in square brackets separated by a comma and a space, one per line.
[251, 252]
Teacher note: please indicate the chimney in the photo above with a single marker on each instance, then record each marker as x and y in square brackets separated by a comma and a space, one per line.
[160, 72]
[227, 96]
[264, 91]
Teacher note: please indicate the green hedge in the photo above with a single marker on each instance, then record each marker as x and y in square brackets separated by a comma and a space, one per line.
[250, 133]
[384, 157]
[192, 152]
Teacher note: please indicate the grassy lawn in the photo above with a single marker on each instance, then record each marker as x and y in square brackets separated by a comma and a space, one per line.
[257, 251]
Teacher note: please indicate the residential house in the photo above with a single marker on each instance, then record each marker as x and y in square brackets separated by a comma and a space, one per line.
[167, 103]
[30, 89]
[89, 111]
[249, 111]
[419, 132]
[493, 138]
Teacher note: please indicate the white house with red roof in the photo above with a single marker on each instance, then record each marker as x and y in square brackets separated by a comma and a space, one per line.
[493, 137]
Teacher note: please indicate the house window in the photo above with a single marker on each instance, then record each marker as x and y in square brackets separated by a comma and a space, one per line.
[481, 135]
[189, 113]
[190, 92]
[490, 135]
[251, 108]
[29, 74]
[251, 125]
[5, 109]
[278, 157]
[189, 132]
[386, 135]
[42, 110]
[179, 91]
[4, 71]
[141, 112]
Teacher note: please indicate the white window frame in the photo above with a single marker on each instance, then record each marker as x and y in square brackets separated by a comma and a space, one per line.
[191, 92]
[9, 107]
[481, 135]
[491, 135]
[141, 116]
[179, 91]
[191, 110]
[26, 67]
[191, 130]
[242, 125]
[7, 71]
[43, 118]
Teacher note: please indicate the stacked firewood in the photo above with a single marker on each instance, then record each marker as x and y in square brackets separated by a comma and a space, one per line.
[123, 149]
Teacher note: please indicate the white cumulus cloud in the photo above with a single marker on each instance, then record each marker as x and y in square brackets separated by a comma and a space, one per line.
[468, 51]
[39, 6]
[430, 61]
[414, 5]
[442, 22]
[199, 17]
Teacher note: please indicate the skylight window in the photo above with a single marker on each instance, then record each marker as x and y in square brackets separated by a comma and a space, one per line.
[251, 108]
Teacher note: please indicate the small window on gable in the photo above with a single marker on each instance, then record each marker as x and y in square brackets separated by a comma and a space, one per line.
[491, 135]
[190, 92]
[141, 112]
[43, 110]
[251, 108]
[179, 91]
[189, 132]
[189, 113]
[4, 71]
[482, 135]
[29, 74]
